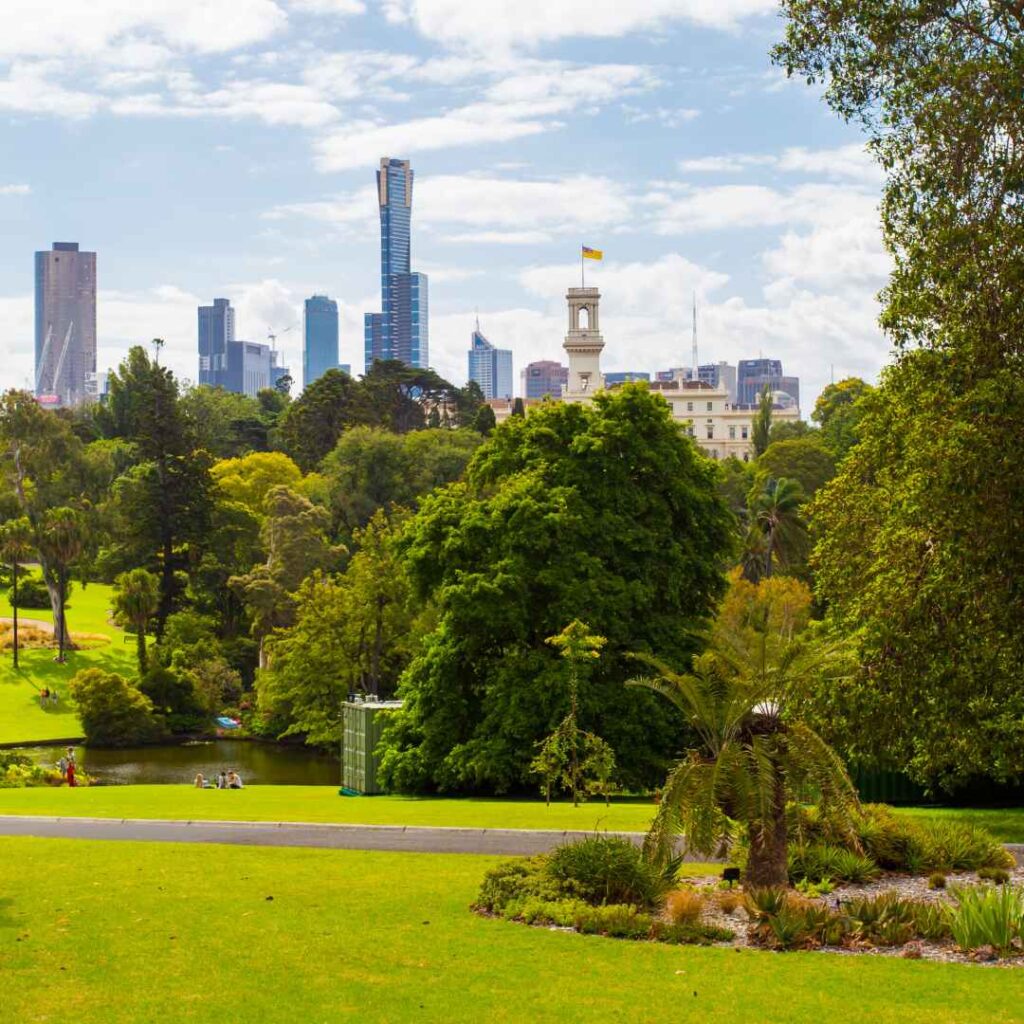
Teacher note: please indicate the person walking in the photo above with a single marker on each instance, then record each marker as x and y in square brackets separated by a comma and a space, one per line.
[71, 774]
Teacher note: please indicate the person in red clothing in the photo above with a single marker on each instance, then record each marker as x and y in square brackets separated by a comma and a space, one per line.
[71, 774]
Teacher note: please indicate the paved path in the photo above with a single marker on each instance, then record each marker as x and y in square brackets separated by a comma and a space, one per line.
[411, 839]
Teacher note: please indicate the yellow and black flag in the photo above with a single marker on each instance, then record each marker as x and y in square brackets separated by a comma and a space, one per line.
[592, 254]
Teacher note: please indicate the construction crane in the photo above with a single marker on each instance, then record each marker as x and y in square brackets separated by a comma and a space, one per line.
[273, 335]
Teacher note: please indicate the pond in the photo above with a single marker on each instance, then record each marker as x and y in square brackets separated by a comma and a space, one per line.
[261, 763]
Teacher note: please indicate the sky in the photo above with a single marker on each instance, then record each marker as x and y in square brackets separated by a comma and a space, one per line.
[227, 148]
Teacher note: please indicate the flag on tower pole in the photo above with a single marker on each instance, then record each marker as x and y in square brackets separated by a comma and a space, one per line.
[586, 253]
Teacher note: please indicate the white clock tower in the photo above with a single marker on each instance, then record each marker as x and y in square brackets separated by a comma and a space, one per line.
[583, 344]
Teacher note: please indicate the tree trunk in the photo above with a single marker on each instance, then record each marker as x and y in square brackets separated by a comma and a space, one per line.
[378, 647]
[140, 639]
[62, 589]
[14, 602]
[60, 623]
[767, 863]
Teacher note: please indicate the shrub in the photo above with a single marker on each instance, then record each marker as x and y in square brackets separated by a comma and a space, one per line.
[729, 902]
[936, 880]
[987, 916]
[174, 696]
[32, 593]
[814, 889]
[998, 875]
[524, 877]
[931, 920]
[820, 861]
[609, 869]
[113, 711]
[854, 867]
[615, 920]
[684, 906]
[954, 846]
[886, 919]
[691, 934]
[764, 902]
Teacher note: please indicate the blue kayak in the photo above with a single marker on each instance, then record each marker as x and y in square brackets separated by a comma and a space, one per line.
[228, 723]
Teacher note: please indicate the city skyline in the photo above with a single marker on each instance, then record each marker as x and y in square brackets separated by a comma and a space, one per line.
[666, 139]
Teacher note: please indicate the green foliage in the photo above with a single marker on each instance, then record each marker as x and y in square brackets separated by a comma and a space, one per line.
[136, 597]
[760, 433]
[987, 916]
[32, 593]
[999, 876]
[821, 862]
[485, 420]
[936, 880]
[775, 513]
[605, 510]
[742, 698]
[113, 712]
[248, 479]
[371, 468]
[173, 696]
[803, 460]
[920, 555]
[789, 430]
[19, 771]
[226, 424]
[838, 412]
[609, 869]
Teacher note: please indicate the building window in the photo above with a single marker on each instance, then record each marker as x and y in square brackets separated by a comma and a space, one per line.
[711, 432]
[714, 453]
[689, 406]
[743, 432]
[711, 405]
[732, 433]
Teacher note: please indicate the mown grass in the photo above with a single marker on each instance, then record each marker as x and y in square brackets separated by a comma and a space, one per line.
[22, 720]
[132, 932]
[322, 803]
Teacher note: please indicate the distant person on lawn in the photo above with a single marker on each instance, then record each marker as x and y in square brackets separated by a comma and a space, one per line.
[222, 780]
[201, 783]
[234, 781]
[71, 774]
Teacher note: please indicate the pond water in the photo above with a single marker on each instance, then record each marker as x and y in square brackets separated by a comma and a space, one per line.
[261, 763]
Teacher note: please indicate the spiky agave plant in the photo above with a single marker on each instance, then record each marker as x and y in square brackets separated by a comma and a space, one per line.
[741, 697]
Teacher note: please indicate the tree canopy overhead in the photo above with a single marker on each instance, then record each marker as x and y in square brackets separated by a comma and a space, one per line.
[607, 510]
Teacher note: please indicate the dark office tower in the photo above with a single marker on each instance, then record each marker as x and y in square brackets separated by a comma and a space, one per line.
[319, 338]
[544, 377]
[216, 332]
[399, 330]
[65, 325]
[757, 374]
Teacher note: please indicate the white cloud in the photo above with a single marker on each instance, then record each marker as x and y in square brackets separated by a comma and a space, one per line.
[501, 237]
[851, 161]
[70, 27]
[484, 24]
[732, 164]
[30, 88]
[15, 190]
[344, 7]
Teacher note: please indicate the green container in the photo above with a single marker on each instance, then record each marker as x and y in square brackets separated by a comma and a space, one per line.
[362, 725]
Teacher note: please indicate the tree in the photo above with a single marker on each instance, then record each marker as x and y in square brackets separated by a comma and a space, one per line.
[44, 465]
[61, 540]
[371, 468]
[789, 430]
[311, 425]
[742, 696]
[136, 596]
[484, 421]
[161, 506]
[226, 424]
[353, 633]
[174, 698]
[802, 460]
[113, 712]
[294, 536]
[579, 761]
[838, 412]
[249, 479]
[762, 427]
[920, 556]
[518, 408]
[776, 511]
[607, 510]
[15, 547]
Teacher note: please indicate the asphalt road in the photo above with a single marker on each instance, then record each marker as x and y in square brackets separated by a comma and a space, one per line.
[410, 839]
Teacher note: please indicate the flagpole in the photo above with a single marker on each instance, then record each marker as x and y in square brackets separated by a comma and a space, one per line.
[583, 277]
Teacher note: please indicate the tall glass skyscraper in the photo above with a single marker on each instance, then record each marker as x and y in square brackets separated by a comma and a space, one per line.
[216, 332]
[319, 338]
[399, 330]
[490, 367]
[65, 325]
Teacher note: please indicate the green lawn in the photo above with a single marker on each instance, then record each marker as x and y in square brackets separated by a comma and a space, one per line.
[134, 932]
[319, 803]
[21, 718]
[322, 803]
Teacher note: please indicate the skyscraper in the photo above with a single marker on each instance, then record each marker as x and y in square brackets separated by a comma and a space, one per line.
[319, 338]
[490, 367]
[757, 374]
[399, 330]
[544, 377]
[216, 331]
[65, 324]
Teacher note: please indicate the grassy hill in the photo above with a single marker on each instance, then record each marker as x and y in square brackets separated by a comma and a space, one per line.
[106, 646]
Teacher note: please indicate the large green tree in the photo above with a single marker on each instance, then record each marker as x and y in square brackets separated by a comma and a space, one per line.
[15, 548]
[802, 459]
[136, 596]
[606, 510]
[160, 508]
[920, 548]
[838, 412]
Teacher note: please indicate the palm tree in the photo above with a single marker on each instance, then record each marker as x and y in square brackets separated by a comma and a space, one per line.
[136, 599]
[777, 511]
[16, 547]
[61, 539]
[741, 699]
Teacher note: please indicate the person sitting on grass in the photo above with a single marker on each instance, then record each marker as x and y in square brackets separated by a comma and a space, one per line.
[222, 780]
[200, 782]
[234, 781]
